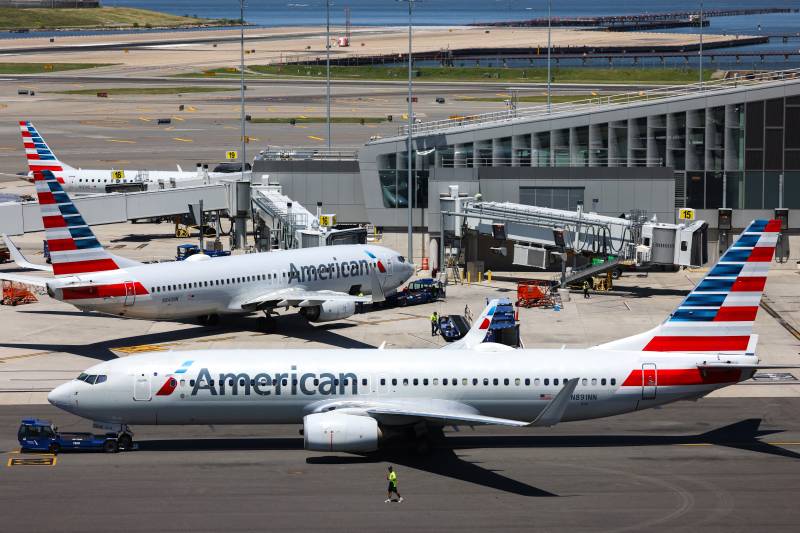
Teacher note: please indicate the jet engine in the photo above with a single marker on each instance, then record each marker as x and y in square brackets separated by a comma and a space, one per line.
[328, 311]
[340, 432]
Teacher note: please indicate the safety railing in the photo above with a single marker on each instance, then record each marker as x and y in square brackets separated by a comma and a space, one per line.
[544, 159]
[302, 154]
[600, 103]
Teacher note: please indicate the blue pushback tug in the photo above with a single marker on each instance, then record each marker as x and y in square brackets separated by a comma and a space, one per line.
[37, 435]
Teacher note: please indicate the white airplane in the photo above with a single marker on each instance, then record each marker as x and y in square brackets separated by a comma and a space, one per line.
[93, 181]
[325, 283]
[350, 400]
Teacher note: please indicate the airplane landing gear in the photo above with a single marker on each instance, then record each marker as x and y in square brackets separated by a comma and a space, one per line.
[209, 320]
[267, 322]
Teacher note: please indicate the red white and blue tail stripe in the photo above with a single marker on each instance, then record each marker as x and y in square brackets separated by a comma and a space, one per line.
[718, 315]
[40, 156]
[74, 249]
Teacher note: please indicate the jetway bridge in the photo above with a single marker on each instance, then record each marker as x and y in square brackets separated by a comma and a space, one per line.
[278, 221]
[540, 236]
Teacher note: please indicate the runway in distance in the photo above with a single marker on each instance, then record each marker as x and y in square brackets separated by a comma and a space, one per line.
[351, 400]
[325, 283]
[93, 181]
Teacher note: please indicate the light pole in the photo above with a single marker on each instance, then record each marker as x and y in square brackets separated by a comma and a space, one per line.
[409, 193]
[549, 30]
[241, 68]
[701, 43]
[328, 69]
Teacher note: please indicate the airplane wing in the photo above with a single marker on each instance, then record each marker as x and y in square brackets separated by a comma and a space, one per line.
[20, 259]
[27, 280]
[299, 297]
[445, 412]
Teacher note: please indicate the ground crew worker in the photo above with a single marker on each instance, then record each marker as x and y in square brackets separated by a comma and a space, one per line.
[434, 323]
[585, 289]
[392, 477]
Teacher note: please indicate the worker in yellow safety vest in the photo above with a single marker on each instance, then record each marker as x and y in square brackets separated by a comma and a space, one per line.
[434, 324]
[392, 477]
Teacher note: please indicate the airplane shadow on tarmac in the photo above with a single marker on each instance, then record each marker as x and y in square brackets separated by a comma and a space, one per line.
[443, 459]
[284, 325]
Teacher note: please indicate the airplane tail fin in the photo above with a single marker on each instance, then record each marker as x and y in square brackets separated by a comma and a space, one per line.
[477, 333]
[718, 315]
[40, 156]
[73, 247]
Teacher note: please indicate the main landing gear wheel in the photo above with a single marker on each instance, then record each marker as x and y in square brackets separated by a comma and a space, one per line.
[110, 446]
[125, 442]
[267, 323]
[209, 320]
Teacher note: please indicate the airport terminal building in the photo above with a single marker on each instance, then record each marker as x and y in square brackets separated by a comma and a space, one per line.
[732, 143]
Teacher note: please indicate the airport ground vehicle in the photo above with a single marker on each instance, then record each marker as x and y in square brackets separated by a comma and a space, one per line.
[419, 291]
[187, 250]
[37, 435]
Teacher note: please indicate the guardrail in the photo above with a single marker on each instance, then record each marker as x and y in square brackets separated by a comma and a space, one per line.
[600, 103]
[549, 160]
[295, 154]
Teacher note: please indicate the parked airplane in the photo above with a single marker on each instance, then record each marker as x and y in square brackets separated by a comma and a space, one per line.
[89, 181]
[325, 283]
[349, 400]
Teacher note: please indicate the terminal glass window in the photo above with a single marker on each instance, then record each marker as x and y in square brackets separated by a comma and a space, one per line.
[393, 179]
[566, 198]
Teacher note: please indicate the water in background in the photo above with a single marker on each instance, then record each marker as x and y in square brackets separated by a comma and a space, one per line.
[454, 12]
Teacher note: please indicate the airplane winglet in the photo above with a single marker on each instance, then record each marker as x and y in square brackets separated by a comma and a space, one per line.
[554, 411]
[376, 289]
[20, 259]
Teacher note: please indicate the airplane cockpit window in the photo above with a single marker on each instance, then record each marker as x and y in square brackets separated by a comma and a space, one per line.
[100, 379]
[82, 376]
[91, 379]
[401, 259]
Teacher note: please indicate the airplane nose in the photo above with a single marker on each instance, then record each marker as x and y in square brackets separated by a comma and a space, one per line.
[60, 396]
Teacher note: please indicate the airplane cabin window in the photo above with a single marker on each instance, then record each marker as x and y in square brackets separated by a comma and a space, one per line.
[191, 383]
[505, 381]
[425, 381]
[436, 381]
[383, 381]
[405, 381]
[394, 381]
[464, 381]
[444, 381]
[584, 381]
[603, 381]
[416, 382]
[286, 381]
[454, 381]
[495, 381]
[613, 381]
[485, 381]
[474, 381]
[516, 381]
[536, 381]
[547, 381]
[230, 382]
[211, 382]
[594, 381]
[316, 382]
[527, 382]
[364, 382]
[555, 381]
[100, 379]
[241, 382]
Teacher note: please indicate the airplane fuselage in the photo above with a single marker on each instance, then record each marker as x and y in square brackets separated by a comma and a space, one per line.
[272, 387]
[205, 286]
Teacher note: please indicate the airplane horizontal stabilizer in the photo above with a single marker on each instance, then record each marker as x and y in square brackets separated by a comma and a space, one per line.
[20, 259]
[27, 280]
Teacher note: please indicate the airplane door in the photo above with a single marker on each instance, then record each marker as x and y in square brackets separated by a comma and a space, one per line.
[141, 388]
[649, 381]
[130, 293]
